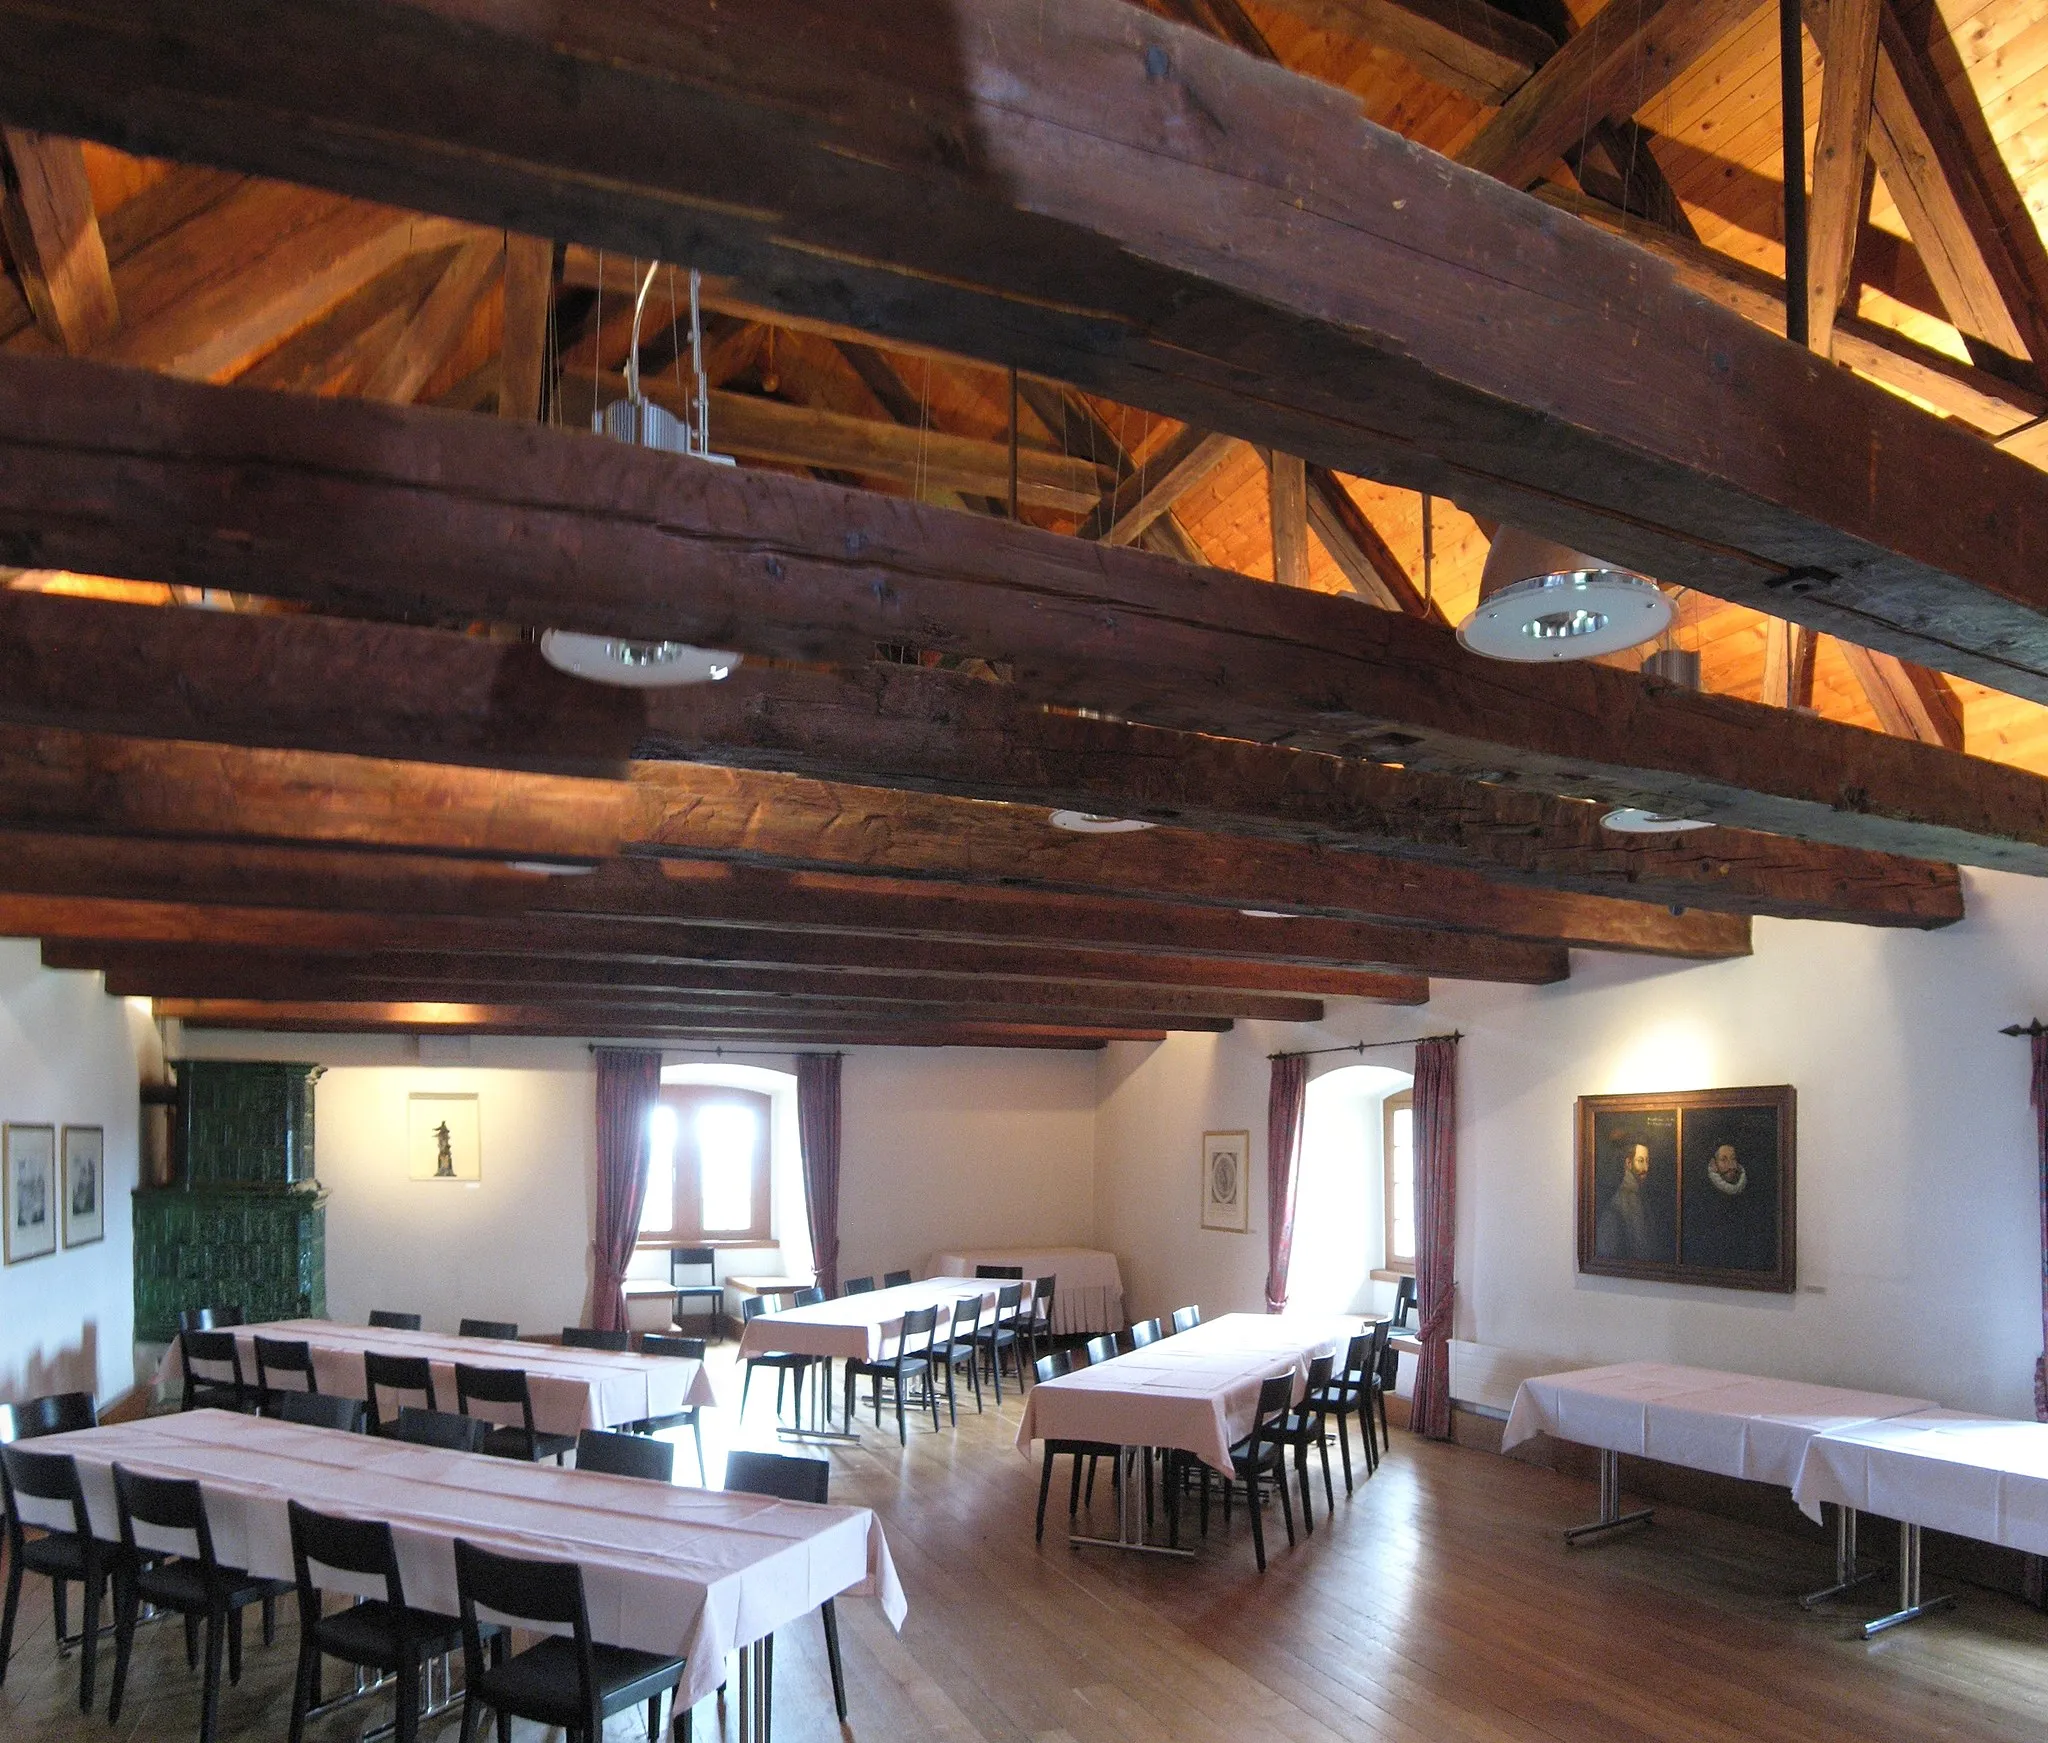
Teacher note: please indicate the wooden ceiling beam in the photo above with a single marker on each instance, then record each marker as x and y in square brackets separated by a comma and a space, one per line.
[1299, 278]
[1471, 47]
[335, 353]
[403, 511]
[1146, 494]
[53, 235]
[1356, 547]
[1788, 664]
[1848, 44]
[1909, 701]
[437, 323]
[529, 304]
[66, 783]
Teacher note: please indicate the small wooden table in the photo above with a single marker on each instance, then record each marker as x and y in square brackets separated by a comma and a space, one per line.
[769, 1286]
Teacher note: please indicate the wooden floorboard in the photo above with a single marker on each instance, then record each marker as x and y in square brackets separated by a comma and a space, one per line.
[1439, 1606]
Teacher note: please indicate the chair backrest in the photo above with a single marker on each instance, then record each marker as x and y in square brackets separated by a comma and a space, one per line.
[363, 1547]
[859, 1286]
[1009, 1300]
[442, 1428]
[169, 1504]
[626, 1455]
[999, 1270]
[579, 1337]
[653, 1343]
[54, 1413]
[549, 1592]
[1404, 1300]
[1053, 1366]
[920, 1332]
[1317, 1398]
[208, 1318]
[699, 1259]
[1186, 1318]
[42, 1476]
[808, 1297]
[1357, 1359]
[966, 1320]
[284, 1356]
[895, 1279]
[1041, 1302]
[1101, 1349]
[778, 1474]
[320, 1410]
[383, 1319]
[503, 1329]
[752, 1307]
[396, 1374]
[1146, 1331]
[493, 1386]
[216, 1349]
[1276, 1399]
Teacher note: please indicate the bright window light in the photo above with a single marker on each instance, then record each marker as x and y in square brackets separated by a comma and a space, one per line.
[1401, 1178]
[658, 1211]
[727, 1140]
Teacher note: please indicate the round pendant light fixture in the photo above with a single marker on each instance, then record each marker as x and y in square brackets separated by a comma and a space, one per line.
[1632, 820]
[1265, 914]
[1091, 823]
[1539, 600]
[550, 868]
[636, 665]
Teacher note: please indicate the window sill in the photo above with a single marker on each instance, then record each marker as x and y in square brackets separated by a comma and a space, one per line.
[744, 1244]
[1391, 1276]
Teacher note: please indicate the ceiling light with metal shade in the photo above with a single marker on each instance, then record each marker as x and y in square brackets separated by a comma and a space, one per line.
[1539, 600]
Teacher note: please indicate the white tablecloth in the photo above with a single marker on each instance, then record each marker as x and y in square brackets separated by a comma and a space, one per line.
[1197, 1391]
[858, 1327]
[694, 1573]
[1088, 1297]
[1976, 1476]
[1735, 1425]
[571, 1389]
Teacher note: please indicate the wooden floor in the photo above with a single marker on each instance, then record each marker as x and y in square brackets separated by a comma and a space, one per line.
[1439, 1607]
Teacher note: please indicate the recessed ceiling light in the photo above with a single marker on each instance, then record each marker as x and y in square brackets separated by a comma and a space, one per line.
[1091, 823]
[1631, 820]
[1266, 914]
[637, 665]
[551, 868]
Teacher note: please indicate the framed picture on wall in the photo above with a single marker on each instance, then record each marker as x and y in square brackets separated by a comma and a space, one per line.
[1690, 1187]
[28, 1191]
[443, 1136]
[1226, 1190]
[85, 1185]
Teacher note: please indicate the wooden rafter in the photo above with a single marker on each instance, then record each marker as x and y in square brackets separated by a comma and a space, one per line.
[1909, 701]
[1182, 465]
[1849, 48]
[1788, 664]
[1287, 511]
[437, 323]
[522, 352]
[53, 234]
[1468, 45]
[1356, 547]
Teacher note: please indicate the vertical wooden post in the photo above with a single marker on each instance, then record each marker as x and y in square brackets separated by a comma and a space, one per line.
[1792, 101]
[1287, 480]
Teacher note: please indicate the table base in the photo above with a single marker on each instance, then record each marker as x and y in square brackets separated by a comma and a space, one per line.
[1847, 1575]
[1912, 1606]
[1611, 1516]
[451, 1699]
[1130, 1514]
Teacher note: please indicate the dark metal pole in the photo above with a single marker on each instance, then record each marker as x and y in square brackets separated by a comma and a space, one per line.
[1792, 99]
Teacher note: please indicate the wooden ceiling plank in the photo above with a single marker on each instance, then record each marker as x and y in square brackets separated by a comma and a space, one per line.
[53, 235]
[529, 300]
[1471, 47]
[343, 345]
[1849, 44]
[1360, 316]
[437, 323]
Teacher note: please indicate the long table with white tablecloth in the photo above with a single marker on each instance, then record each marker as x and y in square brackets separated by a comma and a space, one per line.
[1976, 1476]
[694, 1573]
[572, 1389]
[1088, 1284]
[859, 1327]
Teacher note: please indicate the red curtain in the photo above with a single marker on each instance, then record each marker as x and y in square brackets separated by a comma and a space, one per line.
[817, 1127]
[1436, 1228]
[628, 1080]
[1285, 1098]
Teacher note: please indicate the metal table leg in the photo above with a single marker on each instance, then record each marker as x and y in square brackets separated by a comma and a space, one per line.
[821, 1433]
[1611, 1516]
[757, 1669]
[1911, 1604]
[1130, 1511]
[1847, 1575]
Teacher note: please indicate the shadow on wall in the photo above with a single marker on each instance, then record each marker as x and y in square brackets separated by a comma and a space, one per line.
[75, 1368]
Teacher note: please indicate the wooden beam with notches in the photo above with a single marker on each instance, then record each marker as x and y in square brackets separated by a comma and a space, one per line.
[1145, 212]
[400, 511]
[53, 236]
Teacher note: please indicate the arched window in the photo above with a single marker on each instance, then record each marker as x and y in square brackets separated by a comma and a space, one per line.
[1356, 1125]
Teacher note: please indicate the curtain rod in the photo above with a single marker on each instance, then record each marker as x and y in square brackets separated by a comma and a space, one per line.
[721, 1052]
[2036, 1027]
[1363, 1046]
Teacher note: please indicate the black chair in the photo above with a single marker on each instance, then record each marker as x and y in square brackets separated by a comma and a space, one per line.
[625, 1455]
[382, 1319]
[1013, 1272]
[282, 1356]
[59, 1556]
[508, 1386]
[320, 1410]
[208, 1318]
[503, 1330]
[911, 1359]
[701, 1285]
[792, 1479]
[569, 1681]
[1186, 1319]
[1404, 1303]
[858, 1286]
[383, 1634]
[961, 1347]
[213, 1389]
[1146, 1331]
[1051, 1368]
[1004, 1333]
[691, 1416]
[1101, 1349]
[54, 1413]
[577, 1337]
[895, 1279]
[1255, 1458]
[784, 1366]
[441, 1428]
[1036, 1328]
[1308, 1426]
[197, 1586]
[404, 1374]
[1350, 1394]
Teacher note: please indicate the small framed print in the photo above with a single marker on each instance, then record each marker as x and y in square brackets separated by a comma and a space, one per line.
[85, 1185]
[28, 1174]
[443, 1139]
[1226, 1192]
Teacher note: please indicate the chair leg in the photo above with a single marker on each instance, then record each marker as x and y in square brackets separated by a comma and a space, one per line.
[1344, 1446]
[1251, 1506]
[406, 1720]
[11, 1609]
[995, 1369]
[831, 1615]
[192, 1644]
[1308, 1517]
[89, 1646]
[953, 1403]
[1045, 1489]
[209, 1689]
[234, 1646]
[1205, 1500]
[1286, 1506]
[974, 1373]
[654, 1719]
[302, 1686]
[902, 1427]
[781, 1374]
[1323, 1451]
[746, 1380]
[127, 1601]
[270, 1607]
[931, 1389]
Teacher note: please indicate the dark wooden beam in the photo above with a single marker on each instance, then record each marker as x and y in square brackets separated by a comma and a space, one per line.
[421, 513]
[1849, 48]
[529, 300]
[1386, 319]
[67, 783]
[53, 235]
[328, 1017]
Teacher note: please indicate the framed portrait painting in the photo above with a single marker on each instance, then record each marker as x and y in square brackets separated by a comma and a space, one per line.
[443, 1138]
[1226, 1193]
[85, 1185]
[1690, 1187]
[28, 1191]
